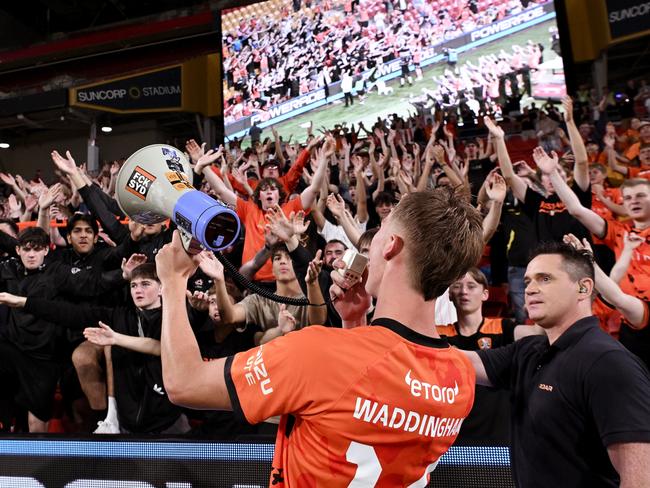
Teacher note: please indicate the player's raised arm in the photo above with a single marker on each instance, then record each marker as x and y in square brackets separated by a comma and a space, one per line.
[189, 381]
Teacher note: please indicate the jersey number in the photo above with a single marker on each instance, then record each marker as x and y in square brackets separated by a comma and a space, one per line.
[369, 467]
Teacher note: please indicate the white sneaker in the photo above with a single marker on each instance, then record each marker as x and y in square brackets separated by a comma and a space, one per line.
[107, 427]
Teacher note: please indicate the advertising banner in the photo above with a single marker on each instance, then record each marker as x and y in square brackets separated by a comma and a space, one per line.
[45, 463]
[152, 91]
[628, 18]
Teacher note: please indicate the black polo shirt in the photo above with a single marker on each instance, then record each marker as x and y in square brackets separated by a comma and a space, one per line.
[570, 400]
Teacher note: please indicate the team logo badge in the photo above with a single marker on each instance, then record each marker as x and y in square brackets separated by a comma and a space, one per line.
[485, 343]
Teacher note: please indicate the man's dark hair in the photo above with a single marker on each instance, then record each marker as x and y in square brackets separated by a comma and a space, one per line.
[13, 225]
[268, 183]
[383, 198]
[577, 263]
[33, 237]
[336, 241]
[79, 217]
[279, 248]
[146, 271]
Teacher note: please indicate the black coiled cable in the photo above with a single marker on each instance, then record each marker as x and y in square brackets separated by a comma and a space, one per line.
[241, 280]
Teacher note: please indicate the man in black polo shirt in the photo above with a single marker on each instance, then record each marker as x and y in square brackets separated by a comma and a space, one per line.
[580, 410]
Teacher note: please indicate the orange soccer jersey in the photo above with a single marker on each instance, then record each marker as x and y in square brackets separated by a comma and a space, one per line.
[636, 281]
[253, 218]
[643, 172]
[369, 406]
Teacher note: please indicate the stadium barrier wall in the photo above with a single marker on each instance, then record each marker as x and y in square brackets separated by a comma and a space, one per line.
[122, 463]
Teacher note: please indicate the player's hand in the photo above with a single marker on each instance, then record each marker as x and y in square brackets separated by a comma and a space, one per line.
[173, 263]
[350, 298]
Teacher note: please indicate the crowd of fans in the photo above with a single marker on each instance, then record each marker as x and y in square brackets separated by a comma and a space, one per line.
[80, 301]
[268, 61]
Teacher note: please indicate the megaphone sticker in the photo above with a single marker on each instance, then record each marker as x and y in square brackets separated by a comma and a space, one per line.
[178, 180]
[139, 182]
[172, 159]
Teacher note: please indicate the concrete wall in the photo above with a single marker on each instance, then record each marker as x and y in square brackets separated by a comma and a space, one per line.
[26, 156]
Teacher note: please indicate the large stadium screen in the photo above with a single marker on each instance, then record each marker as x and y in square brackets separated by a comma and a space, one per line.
[289, 63]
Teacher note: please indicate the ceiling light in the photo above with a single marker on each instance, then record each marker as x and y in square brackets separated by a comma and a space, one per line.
[107, 129]
[4, 145]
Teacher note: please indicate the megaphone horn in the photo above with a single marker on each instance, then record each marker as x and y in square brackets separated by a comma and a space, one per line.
[155, 183]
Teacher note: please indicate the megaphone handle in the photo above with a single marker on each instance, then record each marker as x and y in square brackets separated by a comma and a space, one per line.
[191, 245]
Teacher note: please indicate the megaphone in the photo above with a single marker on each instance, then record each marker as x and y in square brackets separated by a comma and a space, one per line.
[155, 183]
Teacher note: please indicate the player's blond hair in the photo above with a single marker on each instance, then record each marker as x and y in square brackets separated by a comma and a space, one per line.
[443, 235]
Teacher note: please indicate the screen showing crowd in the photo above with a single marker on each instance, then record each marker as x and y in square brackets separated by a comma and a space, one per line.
[286, 63]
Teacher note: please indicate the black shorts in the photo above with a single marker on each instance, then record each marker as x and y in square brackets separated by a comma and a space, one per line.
[30, 382]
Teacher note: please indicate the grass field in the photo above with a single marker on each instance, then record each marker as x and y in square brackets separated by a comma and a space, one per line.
[381, 106]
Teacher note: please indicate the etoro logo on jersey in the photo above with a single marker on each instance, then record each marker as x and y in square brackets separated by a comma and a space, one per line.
[139, 182]
[442, 394]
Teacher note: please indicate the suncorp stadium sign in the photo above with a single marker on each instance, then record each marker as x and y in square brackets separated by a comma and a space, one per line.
[147, 92]
[628, 18]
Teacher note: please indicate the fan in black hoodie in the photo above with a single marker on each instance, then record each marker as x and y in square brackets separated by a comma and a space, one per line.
[142, 404]
[29, 352]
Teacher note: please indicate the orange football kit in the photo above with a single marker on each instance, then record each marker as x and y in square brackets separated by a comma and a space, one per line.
[370, 406]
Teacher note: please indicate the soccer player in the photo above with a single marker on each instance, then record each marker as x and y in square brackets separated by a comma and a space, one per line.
[365, 406]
